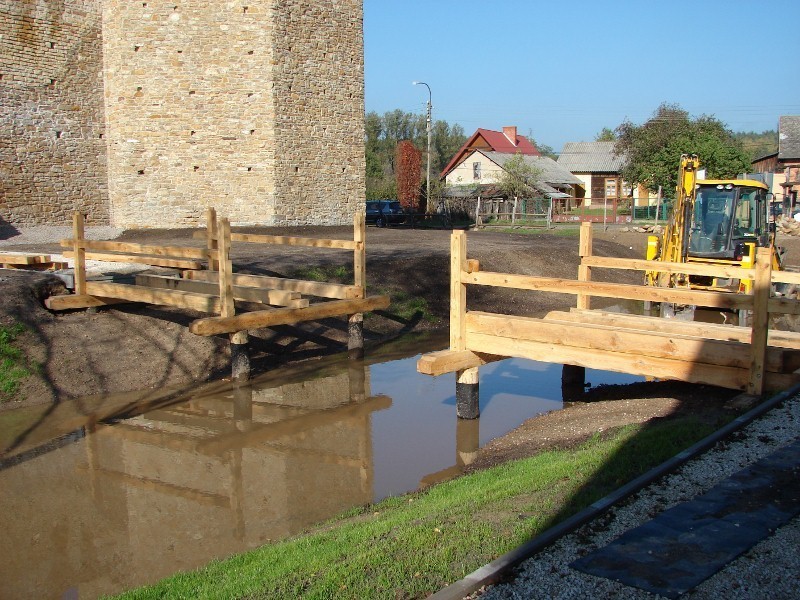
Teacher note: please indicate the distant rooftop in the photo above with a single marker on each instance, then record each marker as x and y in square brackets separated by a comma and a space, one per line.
[590, 157]
[789, 138]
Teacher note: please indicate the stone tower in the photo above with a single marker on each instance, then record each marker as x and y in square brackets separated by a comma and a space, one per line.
[254, 107]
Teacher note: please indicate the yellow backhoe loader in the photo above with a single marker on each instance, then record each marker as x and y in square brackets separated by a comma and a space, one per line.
[712, 222]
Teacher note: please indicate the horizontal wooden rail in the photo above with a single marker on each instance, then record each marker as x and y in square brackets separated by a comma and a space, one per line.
[609, 290]
[131, 248]
[200, 302]
[285, 240]
[689, 268]
[662, 368]
[605, 338]
[157, 261]
[712, 331]
[286, 316]
[313, 288]
[243, 293]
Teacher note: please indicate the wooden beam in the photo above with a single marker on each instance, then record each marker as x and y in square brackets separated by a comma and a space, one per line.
[458, 291]
[714, 331]
[284, 240]
[359, 252]
[610, 290]
[135, 249]
[157, 261]
[286, 316]
[760, 321]
[660, 368]
[450, 361]
[786, 277]
[225, 289]
[734, 333]
[243, 293]
[691, 349]
[8, 258]
[79, 254]
[727, 271]
[211, 239]
[75, 301]
[311, 288]
[584, 269]
[200, 302]
[785, 306]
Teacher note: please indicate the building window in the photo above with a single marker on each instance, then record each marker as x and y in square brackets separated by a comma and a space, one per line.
[476, 170]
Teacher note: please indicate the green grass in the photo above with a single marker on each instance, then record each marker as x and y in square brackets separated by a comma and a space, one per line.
[13, 365]
[327, 273]
[413, 545]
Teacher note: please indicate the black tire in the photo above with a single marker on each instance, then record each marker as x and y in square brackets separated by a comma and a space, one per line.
[379, 222]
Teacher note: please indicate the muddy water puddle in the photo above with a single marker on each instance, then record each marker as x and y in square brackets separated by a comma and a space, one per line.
[105, 494]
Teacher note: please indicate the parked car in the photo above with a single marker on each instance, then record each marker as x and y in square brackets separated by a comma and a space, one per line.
[385, 212]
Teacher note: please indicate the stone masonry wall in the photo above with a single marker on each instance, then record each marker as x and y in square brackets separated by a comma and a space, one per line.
[319, 105]
[52, 146]
[254, 107]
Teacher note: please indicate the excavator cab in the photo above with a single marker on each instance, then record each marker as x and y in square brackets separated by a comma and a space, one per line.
[726, 217]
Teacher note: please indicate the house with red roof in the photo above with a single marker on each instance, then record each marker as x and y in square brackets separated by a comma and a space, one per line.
[506, 142]
[476, 167]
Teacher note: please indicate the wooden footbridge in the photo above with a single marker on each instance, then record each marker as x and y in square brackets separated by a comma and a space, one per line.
[208, 283]
[753, 358]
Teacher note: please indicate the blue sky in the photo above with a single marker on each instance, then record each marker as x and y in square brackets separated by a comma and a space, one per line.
[564, 70]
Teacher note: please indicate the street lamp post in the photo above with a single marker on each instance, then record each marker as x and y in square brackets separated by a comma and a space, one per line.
[428, 179]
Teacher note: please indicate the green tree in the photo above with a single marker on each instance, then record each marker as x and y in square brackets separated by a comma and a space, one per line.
[652, 151]
[517, 177]
[606, 135]
[758, 144]
[382, 134]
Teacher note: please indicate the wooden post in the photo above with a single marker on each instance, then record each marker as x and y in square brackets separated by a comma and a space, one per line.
[79, 254]
[584, 272]
[760, 325]
[355, 322]
[240, 359]
[467, 389]
[212, 239]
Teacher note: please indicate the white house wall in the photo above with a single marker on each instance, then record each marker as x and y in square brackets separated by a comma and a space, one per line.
[463, 173]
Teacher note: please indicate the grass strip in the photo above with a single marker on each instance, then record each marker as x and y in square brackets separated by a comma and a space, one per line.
[413, 545]
[13, 368]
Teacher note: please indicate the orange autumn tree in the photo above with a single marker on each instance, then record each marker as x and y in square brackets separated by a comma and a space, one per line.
[408, 161]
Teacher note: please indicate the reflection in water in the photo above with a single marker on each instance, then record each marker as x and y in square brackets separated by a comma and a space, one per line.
[95, 503]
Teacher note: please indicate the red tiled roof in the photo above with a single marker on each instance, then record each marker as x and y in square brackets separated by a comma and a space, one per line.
[495, 141]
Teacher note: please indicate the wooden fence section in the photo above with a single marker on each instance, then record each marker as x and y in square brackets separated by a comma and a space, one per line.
[751, 358]
[341, 299]
[216, 289]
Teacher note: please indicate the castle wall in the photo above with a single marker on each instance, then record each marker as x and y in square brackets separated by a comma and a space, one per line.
[254, 107]
[52, 146]
[142, 114]
[319, 106]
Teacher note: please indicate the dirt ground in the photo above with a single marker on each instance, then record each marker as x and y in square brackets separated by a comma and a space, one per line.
[136, 347]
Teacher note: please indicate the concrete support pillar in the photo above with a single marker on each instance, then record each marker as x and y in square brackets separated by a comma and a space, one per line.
[467, 394]
[240, 356]
[467, 441]
[573, 380]
[355, 336]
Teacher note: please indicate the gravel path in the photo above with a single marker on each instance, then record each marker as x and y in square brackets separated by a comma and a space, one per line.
[769, 570]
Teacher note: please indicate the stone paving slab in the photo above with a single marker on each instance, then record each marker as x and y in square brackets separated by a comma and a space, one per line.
[688, 543]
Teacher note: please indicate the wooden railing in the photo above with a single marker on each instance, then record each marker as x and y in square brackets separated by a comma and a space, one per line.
[752, 358]
[215, 290]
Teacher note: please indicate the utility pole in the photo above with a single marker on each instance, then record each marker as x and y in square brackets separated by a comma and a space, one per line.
[428, 179]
